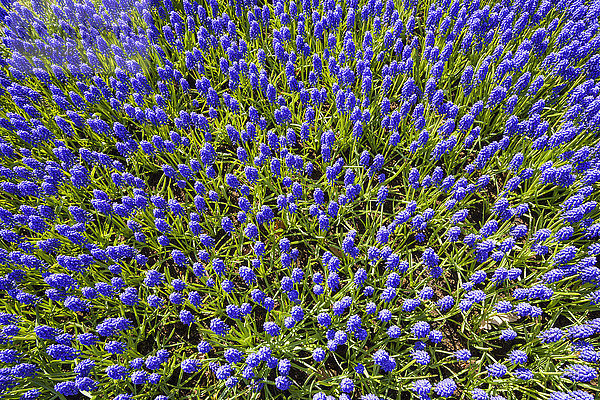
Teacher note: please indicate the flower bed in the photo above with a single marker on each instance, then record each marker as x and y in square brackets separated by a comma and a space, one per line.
[300, 199]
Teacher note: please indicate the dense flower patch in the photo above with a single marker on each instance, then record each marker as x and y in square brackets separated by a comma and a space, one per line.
[361, 199]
